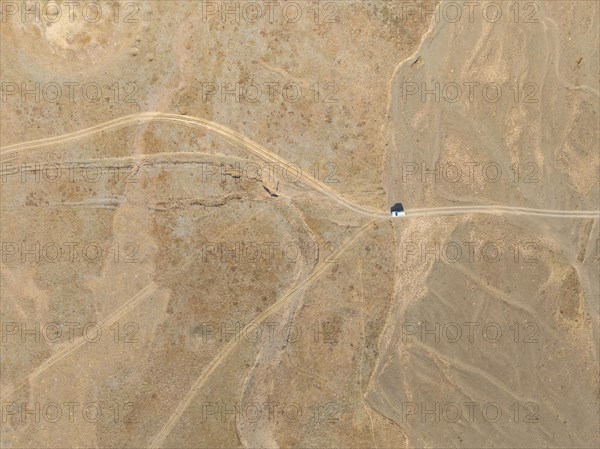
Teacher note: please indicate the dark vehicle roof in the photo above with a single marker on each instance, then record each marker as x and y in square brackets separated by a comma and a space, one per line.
[397, 208]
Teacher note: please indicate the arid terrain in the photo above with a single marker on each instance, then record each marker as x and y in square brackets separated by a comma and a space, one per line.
[197, 245]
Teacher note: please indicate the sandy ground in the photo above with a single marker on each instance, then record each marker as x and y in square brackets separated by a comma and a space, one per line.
[194, 255]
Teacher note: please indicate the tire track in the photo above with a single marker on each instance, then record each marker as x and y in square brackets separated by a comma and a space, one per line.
[265, 154]
[231, 344]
